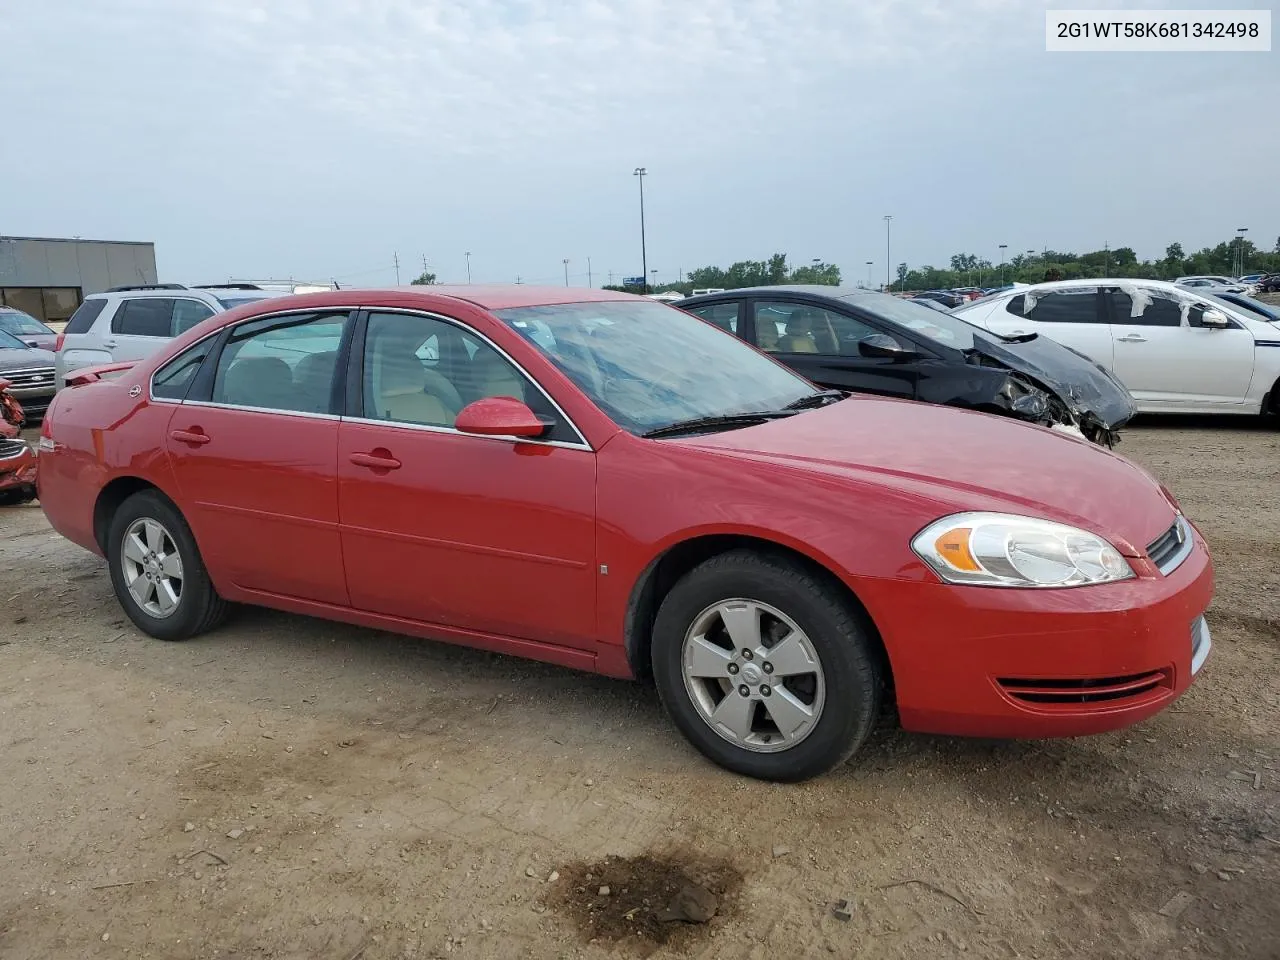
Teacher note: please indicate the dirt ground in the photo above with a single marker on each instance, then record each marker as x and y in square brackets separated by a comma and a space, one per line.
[290, 788]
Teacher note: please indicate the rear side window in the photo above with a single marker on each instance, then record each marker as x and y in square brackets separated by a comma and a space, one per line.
[281, 363]
[84, 316]
[144, 317]
[1077, 305]
[174, 379]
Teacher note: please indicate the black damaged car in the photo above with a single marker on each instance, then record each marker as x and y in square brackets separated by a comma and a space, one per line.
[848, 338]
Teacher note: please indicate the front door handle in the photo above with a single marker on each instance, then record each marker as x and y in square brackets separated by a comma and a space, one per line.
[195, 436]
[1133, 338]
[377, 460]
[110, 344]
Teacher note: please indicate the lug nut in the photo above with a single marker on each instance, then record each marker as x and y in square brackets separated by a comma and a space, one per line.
[746, 654]
[744, 690]
[733, 668]
[764, 690]
[767, 667]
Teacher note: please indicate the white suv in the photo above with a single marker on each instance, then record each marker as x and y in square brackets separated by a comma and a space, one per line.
[130, 323]
[1178, 350]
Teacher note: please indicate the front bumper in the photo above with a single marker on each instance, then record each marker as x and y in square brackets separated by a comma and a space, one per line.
[1012, 663]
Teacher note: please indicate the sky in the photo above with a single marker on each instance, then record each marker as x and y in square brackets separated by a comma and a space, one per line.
[321, 139]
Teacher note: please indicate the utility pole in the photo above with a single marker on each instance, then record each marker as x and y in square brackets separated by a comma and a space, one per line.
[395, 258]
[566, 271]
[1003, 248]
[644, 256]
[1106, 249]
[589, 283]
[1240, 232]
[888, 259]
[611, 278]
[518, 280]
[468, 256]
[425, 268]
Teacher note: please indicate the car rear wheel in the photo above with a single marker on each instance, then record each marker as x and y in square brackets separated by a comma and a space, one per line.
[156, 570]
[765, 668]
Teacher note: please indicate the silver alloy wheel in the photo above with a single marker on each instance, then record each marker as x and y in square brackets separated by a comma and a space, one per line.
[152, 567]
[753, 675]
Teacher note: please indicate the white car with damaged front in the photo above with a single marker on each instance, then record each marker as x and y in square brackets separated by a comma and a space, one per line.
[1177, 350]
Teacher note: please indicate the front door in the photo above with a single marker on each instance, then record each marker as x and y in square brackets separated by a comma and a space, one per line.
[1164, 356]
[254, 450]
[488, 534]
[822, 345]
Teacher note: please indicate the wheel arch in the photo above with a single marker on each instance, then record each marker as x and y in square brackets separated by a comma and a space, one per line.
[662, 573]
[110, 497]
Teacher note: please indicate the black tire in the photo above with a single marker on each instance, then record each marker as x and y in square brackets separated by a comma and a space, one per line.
[840, 636]
[199, 607]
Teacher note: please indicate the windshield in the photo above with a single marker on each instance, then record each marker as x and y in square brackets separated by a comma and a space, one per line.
[9, 342]
[944, 328]
[648, 365]
[1248, 304]
[232, 302]
[17, 322]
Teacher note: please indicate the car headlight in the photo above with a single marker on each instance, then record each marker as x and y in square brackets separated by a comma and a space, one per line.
[1002, 550]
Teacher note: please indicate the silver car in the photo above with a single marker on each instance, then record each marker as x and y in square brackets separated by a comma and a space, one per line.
[130, 323]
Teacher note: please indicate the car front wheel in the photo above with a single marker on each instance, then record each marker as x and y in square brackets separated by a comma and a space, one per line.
[765, 667]
[157, 572]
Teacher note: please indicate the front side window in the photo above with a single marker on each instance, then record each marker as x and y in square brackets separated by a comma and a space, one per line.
[723, 315]
[282, 363]
[1146, 308]
[647, 365]
[1073, 305]
[799, 328]
[174, 379]
[422, 370]
[144, 317]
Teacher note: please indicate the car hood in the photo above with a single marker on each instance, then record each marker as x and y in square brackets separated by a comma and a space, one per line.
[963, 460]
[1084, 386]
[12, 359]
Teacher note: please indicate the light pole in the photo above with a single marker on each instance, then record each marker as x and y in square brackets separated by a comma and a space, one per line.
[888, 284]
[1003, 248]
[589, 283]
[644, 256]
[869, 262]
[468, 256]
[1240, 232]
[566, 271]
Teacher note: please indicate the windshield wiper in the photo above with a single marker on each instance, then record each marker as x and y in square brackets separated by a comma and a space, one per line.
[707, 424]
[819, 399]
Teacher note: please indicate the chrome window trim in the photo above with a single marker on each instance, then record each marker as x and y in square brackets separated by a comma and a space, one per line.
[431, 428]
[151, 393]
[583, 444]
[307, 414]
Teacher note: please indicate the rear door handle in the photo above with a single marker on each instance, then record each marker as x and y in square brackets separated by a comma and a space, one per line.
[378, 460]
[196, 437]
[1133, 338]
[109, 344]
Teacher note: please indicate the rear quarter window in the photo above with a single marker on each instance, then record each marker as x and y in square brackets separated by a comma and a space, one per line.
[84, 316]
[144, 317]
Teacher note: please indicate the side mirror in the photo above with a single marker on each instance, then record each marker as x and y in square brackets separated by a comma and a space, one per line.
[1214, 320]
[882, 346]
[33, 344]
[499, 417]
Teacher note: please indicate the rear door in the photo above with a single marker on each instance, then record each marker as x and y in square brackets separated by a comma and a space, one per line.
[1164, 356]
[1073, 316]
[254, 447]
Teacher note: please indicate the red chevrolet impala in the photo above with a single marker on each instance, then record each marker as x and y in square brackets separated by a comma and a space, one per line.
[607, 483]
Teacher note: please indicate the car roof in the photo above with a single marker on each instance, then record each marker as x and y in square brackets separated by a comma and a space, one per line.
[1088, 282]
[486, 296]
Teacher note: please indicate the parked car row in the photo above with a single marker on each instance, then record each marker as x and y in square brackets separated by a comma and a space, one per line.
[612, 484]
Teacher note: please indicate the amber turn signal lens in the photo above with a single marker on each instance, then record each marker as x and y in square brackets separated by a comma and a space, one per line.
[953, 547]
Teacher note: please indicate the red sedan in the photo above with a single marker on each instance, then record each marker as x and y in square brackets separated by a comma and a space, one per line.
[607, 483]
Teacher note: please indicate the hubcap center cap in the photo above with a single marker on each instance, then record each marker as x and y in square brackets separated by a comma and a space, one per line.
[751, 673]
